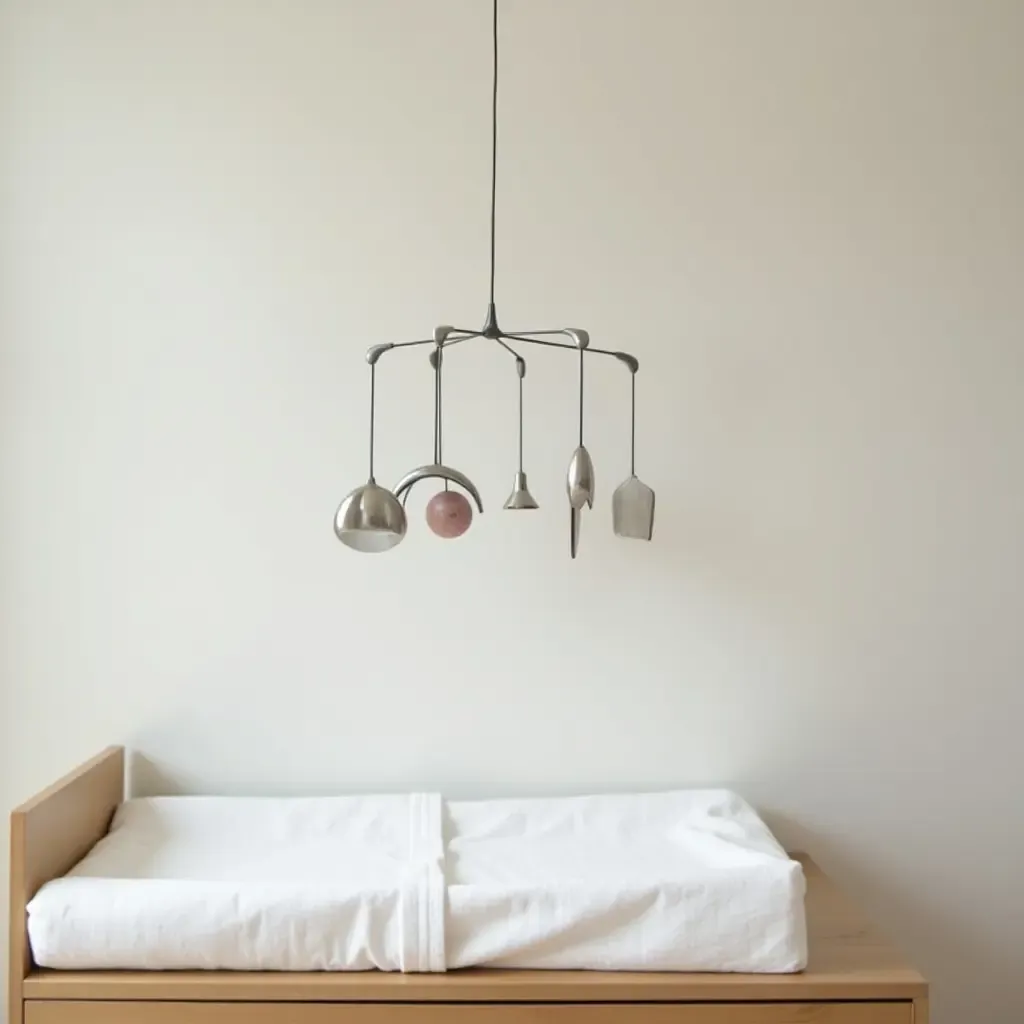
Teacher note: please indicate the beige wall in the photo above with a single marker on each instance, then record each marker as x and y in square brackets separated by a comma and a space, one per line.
[806, 218]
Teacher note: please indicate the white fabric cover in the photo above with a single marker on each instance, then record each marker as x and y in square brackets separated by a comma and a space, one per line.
[253, 884]
[682, 881]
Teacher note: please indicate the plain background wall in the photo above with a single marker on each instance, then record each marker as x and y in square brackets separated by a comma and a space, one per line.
[806, 219]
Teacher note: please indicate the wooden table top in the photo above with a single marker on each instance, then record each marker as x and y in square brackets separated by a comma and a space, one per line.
[848, 960]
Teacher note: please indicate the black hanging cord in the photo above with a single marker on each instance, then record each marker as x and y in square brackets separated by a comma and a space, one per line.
[437, 405]
[494, 143]
[373, 399]
[438, 358]
[632, 426]
[581, 397]
[520, 424]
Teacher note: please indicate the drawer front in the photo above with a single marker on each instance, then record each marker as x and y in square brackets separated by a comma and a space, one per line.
[96, 1012]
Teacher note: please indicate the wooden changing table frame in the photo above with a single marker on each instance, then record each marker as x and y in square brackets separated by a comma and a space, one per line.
[854, 976]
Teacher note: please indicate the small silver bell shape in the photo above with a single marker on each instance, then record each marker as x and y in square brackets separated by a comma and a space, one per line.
[521, 496]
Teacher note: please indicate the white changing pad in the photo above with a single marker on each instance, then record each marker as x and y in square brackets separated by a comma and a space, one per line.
[225, 883]
[682, 881]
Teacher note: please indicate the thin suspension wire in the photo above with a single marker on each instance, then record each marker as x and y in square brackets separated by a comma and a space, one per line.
[494, 143]
[508, 348]
[539, 341]
[437, 407]
[450, 340]
[632, 426]
[532, 340]
[520, 424]
[373, 400]
[581, 397]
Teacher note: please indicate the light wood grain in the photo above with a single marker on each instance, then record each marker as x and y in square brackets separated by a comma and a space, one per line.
[437, 1013]
[49, 835]
[469, 986]
[848, 961]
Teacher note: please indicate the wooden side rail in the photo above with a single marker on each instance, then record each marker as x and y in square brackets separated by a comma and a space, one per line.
[49, 835]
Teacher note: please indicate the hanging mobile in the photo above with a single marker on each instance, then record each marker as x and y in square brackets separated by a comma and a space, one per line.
[371, 518]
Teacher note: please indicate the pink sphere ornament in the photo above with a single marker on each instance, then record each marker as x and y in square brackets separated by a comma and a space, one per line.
[449, 514]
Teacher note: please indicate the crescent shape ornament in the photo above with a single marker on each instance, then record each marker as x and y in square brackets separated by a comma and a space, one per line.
[439, 472]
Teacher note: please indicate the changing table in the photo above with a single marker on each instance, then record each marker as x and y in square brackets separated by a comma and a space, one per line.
[853, 976]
